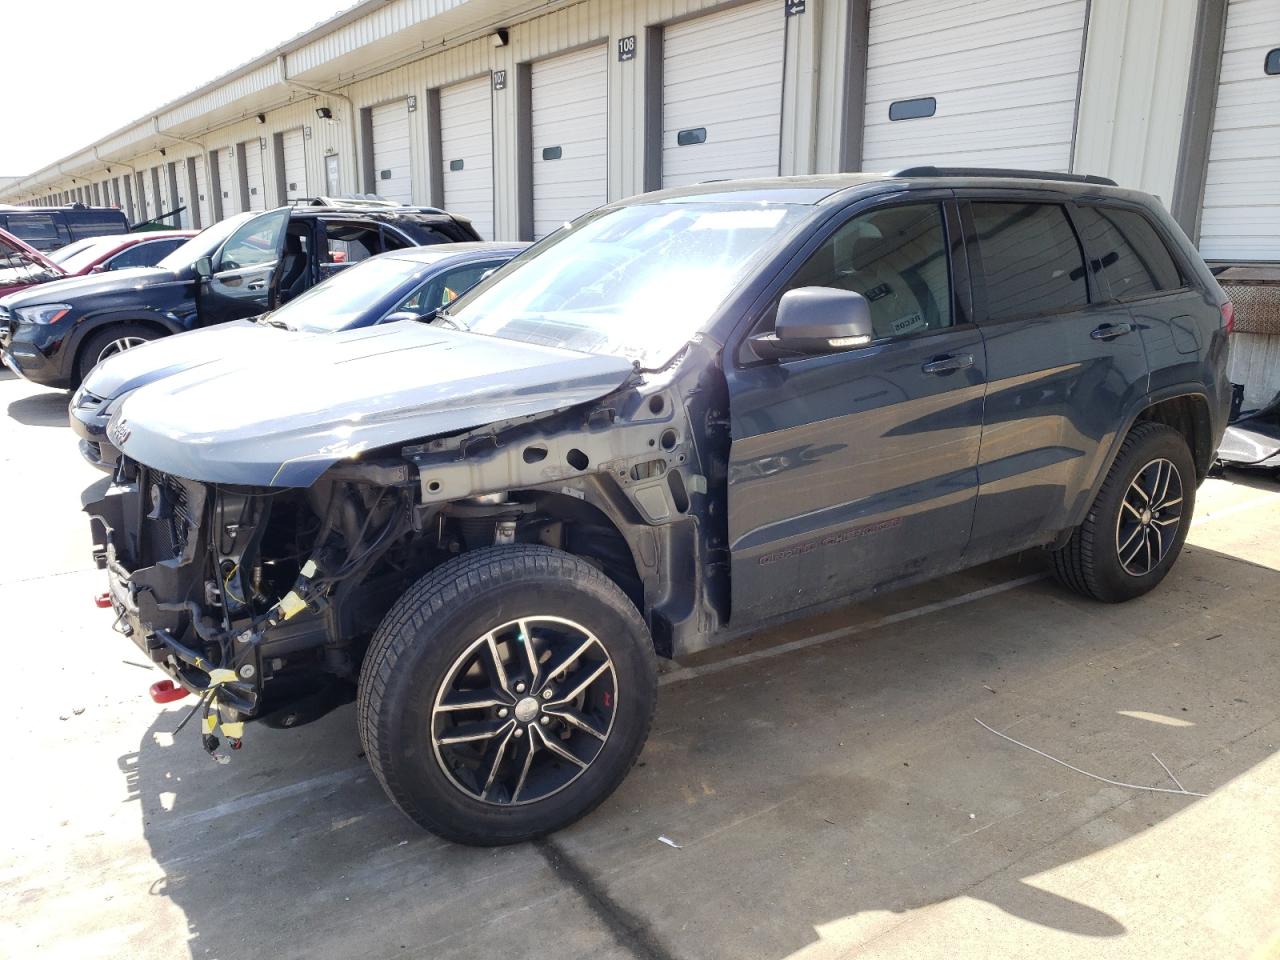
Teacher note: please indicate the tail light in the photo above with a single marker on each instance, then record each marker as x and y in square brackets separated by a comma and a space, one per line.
[1229, 316]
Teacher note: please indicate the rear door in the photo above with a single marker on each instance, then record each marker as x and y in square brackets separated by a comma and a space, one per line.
[856, 470]
[243, 270]
[1064, 362]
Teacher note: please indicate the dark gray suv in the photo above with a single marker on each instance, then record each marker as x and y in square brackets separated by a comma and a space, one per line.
[680, 418]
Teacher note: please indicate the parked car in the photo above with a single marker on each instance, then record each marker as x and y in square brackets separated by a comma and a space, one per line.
[682, 418]
[48, 228]
[119, 251]
[23, 266]
[236, 268]
[409, 284]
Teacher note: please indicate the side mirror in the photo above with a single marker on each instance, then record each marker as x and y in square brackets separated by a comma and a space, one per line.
[203, 268]
[400, 315]
[817, 320]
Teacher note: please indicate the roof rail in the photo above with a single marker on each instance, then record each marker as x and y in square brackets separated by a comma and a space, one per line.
[998, 172]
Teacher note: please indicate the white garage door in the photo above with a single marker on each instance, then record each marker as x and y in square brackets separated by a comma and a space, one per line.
[253, 174]
[1241, 218]
[148, 195]
[295, 164]
[227, 184]
[722, 94]
[392, 178]
[570, 103]
[202, 191]
[995, 87]
[466, 152]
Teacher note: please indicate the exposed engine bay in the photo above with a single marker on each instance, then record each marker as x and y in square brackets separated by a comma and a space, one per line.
[263, 600]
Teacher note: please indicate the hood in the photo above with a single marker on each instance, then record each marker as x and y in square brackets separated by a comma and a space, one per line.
[14, 279]
[94, 284]
[284, 418]
[119, 374]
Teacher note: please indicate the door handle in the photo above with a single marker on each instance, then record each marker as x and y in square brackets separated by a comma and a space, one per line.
[949, 364]
[1109, 331]
[257, 285]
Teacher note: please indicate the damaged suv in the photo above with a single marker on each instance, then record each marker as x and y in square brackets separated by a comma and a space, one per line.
[680, 418]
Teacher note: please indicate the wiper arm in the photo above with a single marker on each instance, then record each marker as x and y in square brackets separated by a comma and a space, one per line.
[278, 324]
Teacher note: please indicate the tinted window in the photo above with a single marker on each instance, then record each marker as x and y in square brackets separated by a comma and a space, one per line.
[896, 258]
[94, 223]
[255, 243]
[144, 254]
[351, 242]
[444, 289]
[38, 229]
[1128, 252]
[1031, 259]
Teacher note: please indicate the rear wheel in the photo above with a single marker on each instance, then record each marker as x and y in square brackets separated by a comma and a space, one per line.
[1136, 526]
[506, 694]
[110, 341]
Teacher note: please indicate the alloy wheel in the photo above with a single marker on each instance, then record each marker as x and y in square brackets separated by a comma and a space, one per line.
[524, 710]
[119, 345]
[1150, 514]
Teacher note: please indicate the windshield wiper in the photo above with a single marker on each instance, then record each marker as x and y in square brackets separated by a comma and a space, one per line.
[278, 324]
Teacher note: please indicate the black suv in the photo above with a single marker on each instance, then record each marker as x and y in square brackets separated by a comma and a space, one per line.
[239, 267]
[682, 417]
[48, 228]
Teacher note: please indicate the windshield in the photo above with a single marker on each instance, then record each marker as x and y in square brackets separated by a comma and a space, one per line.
[637, 282]
[73, 251]
[204, 243]
[346, 296]
[91, 251]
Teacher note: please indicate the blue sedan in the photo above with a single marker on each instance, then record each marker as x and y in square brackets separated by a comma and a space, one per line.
[404, 284]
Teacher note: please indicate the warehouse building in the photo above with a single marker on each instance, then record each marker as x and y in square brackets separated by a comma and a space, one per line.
[522, 116]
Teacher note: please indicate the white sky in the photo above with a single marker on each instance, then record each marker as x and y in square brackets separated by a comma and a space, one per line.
[88, 68]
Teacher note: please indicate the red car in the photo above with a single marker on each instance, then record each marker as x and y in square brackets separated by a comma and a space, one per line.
[118, 251]
[23, 266]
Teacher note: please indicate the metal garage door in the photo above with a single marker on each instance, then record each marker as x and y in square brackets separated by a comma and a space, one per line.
[722, 94]
[148, 195]
[570, 135]
[295, 164]
[392, 178]
[227, 183]
[1000, 83]
[253, 174]
[1241, 218]
[202, 191]
[466, 152]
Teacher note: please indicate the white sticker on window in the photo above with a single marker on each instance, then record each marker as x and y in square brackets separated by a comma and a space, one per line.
[738, 219]
[909, 324]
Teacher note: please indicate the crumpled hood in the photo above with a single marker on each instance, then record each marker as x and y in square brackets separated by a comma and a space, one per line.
[69, 289]
[153, 361]
[286, 416]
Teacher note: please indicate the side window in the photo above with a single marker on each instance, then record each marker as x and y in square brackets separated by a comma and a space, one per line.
[896, 257]
[141, 255]
[393, 241]
[1128, 252]
[254, 244]
[444, 289]
[352, 242]
[1031, 259]
[37, 229]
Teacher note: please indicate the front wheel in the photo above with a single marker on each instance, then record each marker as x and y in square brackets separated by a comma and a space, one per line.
[506, 694]
[110, 341]
[1138, 522]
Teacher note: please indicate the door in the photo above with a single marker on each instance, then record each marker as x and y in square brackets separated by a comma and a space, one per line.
[146, 194]
[466, 151]
[202, 191]
[960, 87]
[254, 183]
[1063, 364]
[228, 187]
[243, 270]
[392, 177]
[295, 164]
[722, 94]
[1241, 218]
[855, 470]
[569, 105]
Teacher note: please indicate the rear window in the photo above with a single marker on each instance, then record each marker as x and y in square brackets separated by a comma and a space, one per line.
[95, 223]
[1031, 259]
[38, 229]
[1127, 251]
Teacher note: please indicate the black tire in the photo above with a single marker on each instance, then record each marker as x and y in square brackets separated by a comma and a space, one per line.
[133, 333]
[1091, 563]
[414, 658]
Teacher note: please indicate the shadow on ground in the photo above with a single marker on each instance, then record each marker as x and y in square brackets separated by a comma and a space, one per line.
[841, 786]
[41, 409]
